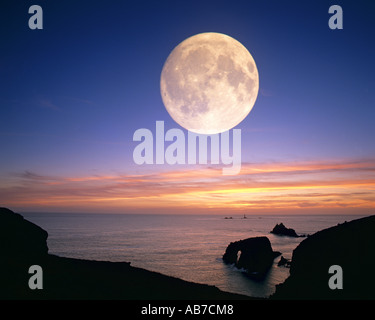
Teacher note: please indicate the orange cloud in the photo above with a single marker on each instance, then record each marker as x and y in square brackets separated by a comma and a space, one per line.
[300, 186]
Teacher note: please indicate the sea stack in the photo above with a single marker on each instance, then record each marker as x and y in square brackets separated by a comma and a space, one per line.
[281, 230]
[256, 256]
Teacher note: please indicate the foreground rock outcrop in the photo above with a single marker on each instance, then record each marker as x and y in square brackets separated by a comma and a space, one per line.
[256, 256]
[351, 246]
[23, 244]
[19, 237]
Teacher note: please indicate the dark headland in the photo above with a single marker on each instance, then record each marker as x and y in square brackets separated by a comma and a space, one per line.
[350, 245]
[23, 244]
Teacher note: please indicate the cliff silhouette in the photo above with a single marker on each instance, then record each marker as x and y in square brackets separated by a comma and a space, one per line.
[351, 246]
[23, 244]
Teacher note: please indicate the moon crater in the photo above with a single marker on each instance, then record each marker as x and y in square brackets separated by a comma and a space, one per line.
[209, 83]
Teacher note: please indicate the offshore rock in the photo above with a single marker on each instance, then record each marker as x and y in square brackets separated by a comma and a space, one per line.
[281, 230]
[256, 256]
[284, 262]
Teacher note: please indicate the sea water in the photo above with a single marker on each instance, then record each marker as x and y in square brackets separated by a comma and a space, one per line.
[189, 247]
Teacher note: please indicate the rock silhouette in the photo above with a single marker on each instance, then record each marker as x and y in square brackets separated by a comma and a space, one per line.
[350, 245]
[23, 244]
[256, 256]
[281, 230]
[20, 237]
[284, 262]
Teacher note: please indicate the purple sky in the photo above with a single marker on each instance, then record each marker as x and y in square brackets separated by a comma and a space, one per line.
[72, 94]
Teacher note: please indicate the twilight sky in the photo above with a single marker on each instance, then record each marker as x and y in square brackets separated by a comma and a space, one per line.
[72, 95]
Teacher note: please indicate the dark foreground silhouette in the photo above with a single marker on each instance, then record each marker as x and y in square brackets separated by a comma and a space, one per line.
[350, 245]
[23, 244]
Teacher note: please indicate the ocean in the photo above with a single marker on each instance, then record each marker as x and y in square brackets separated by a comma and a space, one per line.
[189, 247]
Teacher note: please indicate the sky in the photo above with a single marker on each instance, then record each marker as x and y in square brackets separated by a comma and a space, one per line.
[73, 94]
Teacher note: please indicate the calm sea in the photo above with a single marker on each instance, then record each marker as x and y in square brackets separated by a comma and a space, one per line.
[187, 247]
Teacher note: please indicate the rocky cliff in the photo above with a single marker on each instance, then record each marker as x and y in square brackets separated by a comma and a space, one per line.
[23, 244]
[19, 237]
[351, 246]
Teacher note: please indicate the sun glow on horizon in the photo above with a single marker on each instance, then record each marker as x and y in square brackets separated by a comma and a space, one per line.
[272, 187]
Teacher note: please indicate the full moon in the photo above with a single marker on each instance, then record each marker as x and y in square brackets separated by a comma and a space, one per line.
[209, 83]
